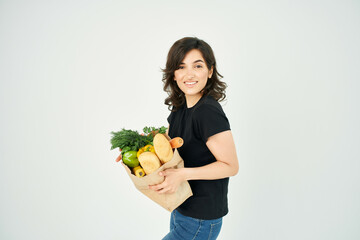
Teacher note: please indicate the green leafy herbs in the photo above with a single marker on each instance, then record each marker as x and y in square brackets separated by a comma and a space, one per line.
[129, 140]
[153, 130]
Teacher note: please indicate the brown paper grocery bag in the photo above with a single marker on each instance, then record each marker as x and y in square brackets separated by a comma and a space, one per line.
[169, 201]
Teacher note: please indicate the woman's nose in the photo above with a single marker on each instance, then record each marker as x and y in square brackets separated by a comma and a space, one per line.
[190, 73]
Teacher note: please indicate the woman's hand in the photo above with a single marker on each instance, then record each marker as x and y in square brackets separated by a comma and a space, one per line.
[173, 179]
[118, 159]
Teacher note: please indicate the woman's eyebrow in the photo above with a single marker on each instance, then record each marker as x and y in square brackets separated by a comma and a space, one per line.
[195, 61]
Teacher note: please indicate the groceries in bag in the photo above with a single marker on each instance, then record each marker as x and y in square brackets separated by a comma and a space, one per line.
[145, 153]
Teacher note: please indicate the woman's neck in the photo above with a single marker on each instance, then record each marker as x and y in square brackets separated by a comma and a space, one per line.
[192, 100]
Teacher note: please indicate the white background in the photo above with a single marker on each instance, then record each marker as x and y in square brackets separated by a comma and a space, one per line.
[73, 71]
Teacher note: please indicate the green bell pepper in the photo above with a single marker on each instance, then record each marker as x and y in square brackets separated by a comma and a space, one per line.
[130, 159]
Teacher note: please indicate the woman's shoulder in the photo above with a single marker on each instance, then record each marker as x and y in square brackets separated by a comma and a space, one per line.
[209, 102]
[208, 106]
[209, 118]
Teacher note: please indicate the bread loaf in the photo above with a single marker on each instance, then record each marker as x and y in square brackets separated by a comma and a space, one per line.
[162, 148]
[149, 162]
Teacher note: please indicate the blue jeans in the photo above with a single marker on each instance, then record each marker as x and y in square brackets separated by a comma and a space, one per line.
[188, 228]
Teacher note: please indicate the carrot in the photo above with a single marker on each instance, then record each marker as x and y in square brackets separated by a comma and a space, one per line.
[176, 142]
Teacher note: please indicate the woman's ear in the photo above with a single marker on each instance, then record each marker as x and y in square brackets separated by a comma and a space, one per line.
[211, 71]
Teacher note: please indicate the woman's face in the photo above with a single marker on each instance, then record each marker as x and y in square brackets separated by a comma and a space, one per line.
[192, 74]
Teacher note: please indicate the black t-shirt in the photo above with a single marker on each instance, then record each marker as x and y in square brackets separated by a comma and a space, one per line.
[195, 125]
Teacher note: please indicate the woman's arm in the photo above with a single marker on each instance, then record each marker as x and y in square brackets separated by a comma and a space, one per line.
[222, 147]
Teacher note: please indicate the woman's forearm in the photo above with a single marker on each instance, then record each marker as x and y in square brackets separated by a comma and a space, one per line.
[215, 170]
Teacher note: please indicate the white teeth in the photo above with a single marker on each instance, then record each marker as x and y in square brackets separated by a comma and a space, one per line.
[190, 83]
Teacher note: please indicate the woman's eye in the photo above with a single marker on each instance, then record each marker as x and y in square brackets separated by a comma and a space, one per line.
[197, 66]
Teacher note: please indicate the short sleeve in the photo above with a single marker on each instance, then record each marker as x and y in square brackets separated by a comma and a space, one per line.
[210, 120]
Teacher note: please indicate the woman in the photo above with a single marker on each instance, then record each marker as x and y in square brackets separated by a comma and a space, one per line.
[192, 83]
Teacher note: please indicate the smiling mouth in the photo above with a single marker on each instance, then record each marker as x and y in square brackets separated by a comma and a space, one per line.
[190, 84]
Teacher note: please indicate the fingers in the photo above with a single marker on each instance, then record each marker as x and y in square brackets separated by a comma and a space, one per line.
[167, 172]
[157, 187]
[165, 190]
[118, 158]
[162, 188]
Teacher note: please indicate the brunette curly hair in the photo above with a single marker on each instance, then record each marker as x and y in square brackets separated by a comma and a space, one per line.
[214, 87]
